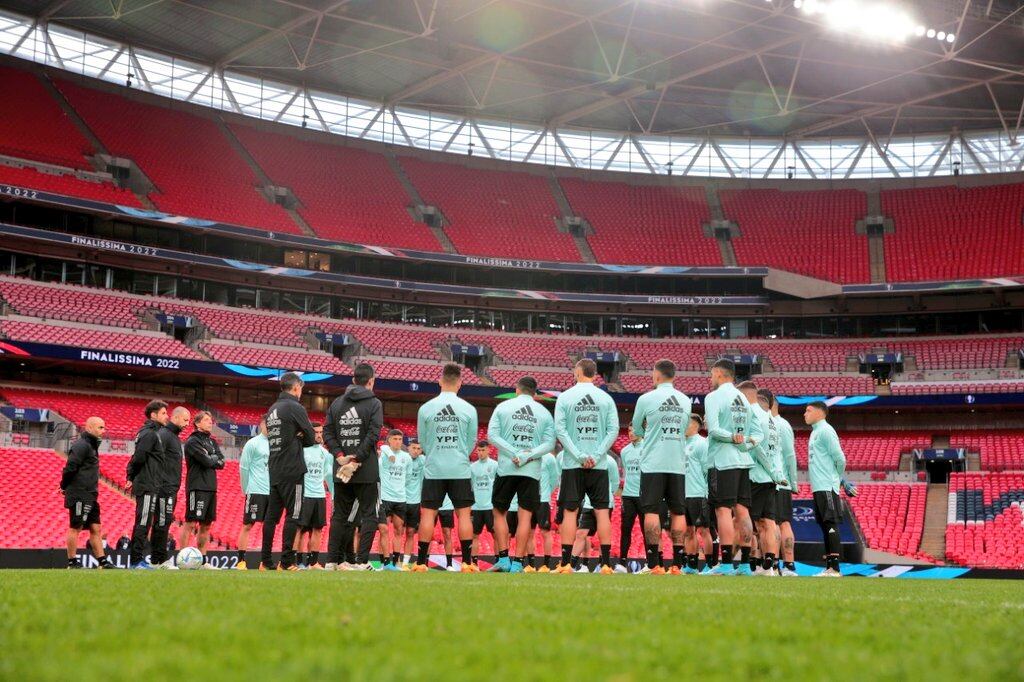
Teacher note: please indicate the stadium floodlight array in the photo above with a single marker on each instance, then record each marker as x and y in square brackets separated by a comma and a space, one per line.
[872, 20]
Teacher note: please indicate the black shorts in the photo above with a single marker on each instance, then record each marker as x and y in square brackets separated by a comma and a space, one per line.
[587, 521]
[255, 509]
[507, 487]
[82, 512]
[482, 518]
[312, 513]
[542, 518]
[576, 483]
[512, 518]
[730, 487]
[698, 512]
[202, 506]
[784, 506]
[447, 518]
[459, 490]
[658, 488]
[828, 508]
[412, 515]
[393, 509]
[763, 501]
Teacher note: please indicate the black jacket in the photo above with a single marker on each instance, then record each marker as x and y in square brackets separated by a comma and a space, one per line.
[146, 467]
[203, 457]
[81, 475]
[172, 458]
[285, 420]
[352, 428]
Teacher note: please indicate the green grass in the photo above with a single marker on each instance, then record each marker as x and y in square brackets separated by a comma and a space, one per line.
[60, 625]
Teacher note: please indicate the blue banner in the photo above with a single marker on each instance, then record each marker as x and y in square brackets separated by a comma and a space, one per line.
[25, 414]
[246, 430]
[940, 454]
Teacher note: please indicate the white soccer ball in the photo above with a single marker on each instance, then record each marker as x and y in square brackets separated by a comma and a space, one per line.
[189, 559]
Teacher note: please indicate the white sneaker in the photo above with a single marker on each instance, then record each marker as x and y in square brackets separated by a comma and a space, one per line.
[168, 565]
[344, 566]
[453, 569]
[646, 569]
[770, 573]
[330, 566]
[619, 568]
[829, 573]
[786, 573]
[582, 569]
[759, 570]
[209, 567]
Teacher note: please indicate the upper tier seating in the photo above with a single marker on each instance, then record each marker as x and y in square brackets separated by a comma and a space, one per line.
[33, 126]
[945, 233]
[492, 212]
[71, 303]
[126, 342]
[345, 194]
[650, 224]
[810, 233]
[195, 169]
[258, 356]
[123, 416]
[986, 524]
[67, 184]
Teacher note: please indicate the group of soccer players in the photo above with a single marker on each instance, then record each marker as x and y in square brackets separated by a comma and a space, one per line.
[726, 497]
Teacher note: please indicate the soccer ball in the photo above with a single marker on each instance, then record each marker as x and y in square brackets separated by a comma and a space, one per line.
[189, 559]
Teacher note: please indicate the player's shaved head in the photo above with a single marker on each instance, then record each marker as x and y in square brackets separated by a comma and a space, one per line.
[95, 426]
[180, 416]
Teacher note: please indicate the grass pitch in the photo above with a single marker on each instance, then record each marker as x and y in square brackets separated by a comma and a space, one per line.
[60, 625]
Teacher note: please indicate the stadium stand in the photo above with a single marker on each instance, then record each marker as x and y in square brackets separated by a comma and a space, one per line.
[948, 387]
[640, 382]
[31, 475]
[492, 212]
[821, 223]
[71, 303]
[152, 343]
[402, 341]
[923, 245]
[985, 523]
[32, 125]
[242, 324]
[264, 356]
[530, 349]
[345, 194]
[186, 156]
[67, 184]
[866, 450]
[1000, 450]
[123, 416]
[415, 371]
[546, 380]
[891, 516]
[650, 224]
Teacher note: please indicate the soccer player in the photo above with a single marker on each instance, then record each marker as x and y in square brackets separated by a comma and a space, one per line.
[586, 423]
[826, 465]
[255, 482]
[353, 424]
[145, 474]
[631, 513]
[394, 468]
[447, 428]
[698, 512]
[784, 513]
[660, 419]
[79, 483]
[588, 520]
[550, 473]
[483, 471]
[174, 452]
[731, 429]
[523, 432]
[289, 431]
[413, 493]
[203, 459]
[765, 475]
[313, 512]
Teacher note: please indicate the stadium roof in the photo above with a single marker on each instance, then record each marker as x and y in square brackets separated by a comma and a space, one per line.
[683, 67]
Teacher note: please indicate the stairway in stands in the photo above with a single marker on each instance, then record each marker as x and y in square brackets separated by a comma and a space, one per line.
[933, 540]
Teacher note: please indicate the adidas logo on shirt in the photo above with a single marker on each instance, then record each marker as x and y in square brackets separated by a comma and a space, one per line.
[586, 404]
[524, 414]
[447, 414]
[671, 405]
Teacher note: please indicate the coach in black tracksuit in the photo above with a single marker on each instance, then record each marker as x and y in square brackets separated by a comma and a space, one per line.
[204, 459]
[168, 494]
[79, 481]
[351, 430]
[145, 479]
[288, 432]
